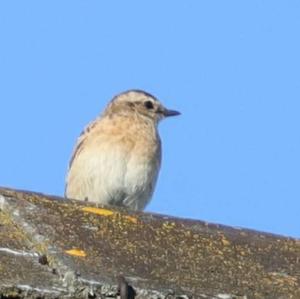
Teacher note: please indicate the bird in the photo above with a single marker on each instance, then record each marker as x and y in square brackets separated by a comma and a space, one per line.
[117, 157]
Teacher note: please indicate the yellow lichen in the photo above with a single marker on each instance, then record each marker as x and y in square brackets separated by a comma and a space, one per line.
[106, 212]
[131, 219]
[76, 252]
[98, 211]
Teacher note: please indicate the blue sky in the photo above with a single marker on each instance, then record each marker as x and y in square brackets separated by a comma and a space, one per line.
[231, 67]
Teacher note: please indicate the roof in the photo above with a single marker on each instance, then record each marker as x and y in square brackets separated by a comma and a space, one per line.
[52, 247]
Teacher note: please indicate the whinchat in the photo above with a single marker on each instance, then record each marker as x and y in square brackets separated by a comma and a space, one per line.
[117, 157]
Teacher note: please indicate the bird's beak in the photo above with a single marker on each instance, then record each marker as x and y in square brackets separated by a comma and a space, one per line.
[168, 112]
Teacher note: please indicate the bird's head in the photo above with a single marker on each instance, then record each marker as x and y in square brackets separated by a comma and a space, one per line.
[141, 103]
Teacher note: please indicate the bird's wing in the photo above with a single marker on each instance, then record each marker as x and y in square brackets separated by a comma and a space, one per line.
[98, 167]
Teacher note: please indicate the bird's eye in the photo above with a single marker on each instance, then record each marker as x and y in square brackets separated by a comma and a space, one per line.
[148, 105]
